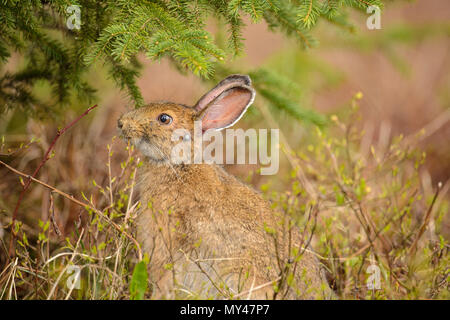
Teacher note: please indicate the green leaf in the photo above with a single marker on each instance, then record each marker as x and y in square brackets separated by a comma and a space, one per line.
[340, 199]
[139, 280]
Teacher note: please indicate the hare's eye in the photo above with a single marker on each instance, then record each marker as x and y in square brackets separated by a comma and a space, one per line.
[165, 118]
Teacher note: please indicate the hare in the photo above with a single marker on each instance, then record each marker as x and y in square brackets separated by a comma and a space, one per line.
[207, 234]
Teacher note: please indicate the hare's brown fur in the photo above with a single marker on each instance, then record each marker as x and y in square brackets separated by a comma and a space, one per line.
[206, 232]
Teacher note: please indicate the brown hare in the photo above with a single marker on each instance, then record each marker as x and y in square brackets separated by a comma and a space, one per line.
[207, 234]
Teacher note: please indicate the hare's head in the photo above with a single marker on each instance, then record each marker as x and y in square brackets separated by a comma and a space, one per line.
[155, 129]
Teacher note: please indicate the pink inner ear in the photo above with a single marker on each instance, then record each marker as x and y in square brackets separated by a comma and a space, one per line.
[227, 83]
[227, 108]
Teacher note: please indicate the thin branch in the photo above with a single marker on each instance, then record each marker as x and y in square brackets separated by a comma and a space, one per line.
[59, 133]
[426, 220]
[80, 203]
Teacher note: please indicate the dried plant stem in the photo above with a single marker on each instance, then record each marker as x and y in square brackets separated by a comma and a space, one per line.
[130, 208]
[65, 268]
[431, 128]
[59, 133]
[269, 283]
[80, 203]
[426, 220]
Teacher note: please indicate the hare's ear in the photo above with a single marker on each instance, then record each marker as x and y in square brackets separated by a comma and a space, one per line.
[225, 104]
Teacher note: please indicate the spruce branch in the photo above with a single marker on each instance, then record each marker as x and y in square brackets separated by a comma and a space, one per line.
[115, 32]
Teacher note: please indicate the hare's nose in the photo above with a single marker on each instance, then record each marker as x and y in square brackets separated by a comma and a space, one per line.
[120, 124]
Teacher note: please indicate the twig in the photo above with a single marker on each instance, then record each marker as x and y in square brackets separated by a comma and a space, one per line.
[430, 128]
[127, 215]
[22, 147]
[41, 164]
[80, 203]
[256, 288]
[52, 216]
[65, 268]
[253, 284]
[412, 251]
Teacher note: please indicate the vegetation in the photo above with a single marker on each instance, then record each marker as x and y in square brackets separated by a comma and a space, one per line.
[114, 32]
[359, 202]
[368, 209]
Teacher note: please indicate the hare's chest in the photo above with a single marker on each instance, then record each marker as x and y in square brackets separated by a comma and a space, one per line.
[159, 195]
